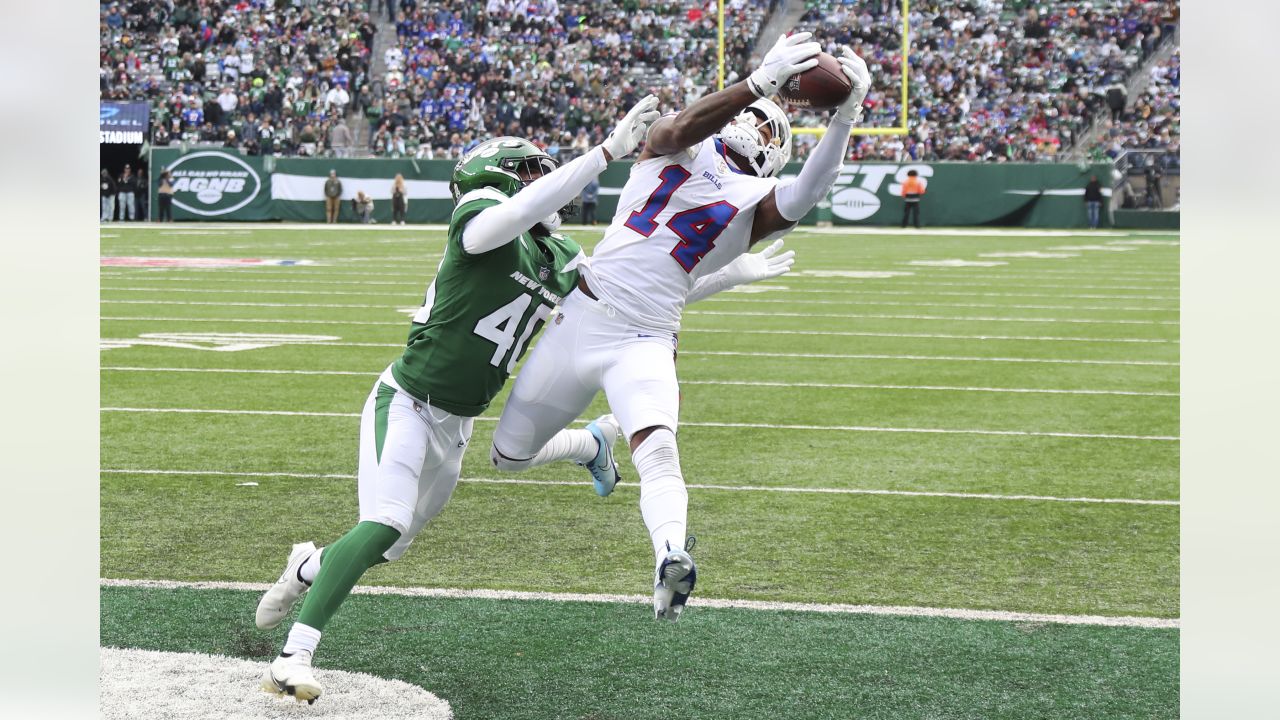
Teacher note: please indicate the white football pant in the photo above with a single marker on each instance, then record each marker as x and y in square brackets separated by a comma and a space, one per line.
[410, 460]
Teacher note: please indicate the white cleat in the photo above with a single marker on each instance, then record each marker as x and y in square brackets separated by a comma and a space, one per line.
[292, 676]
[674, 581]
[279, 600]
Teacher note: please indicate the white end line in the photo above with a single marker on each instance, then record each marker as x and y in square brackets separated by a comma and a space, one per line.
[700, 601]
[761, 426]
[696, 486]
[743, 383]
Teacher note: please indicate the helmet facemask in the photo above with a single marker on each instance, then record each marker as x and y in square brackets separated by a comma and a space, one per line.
[746, 133]
[530, 168]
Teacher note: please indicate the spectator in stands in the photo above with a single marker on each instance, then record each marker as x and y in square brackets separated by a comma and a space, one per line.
[912, 191]
[590, 195]
[341, 139]
[126, 186]
[1093, 201]
[332, 197]
[363, 206]
[164, 197]
[107, 188]
[399, 200]
[143, 194]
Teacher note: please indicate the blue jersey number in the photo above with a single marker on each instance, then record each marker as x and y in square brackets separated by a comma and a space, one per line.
[697, 227]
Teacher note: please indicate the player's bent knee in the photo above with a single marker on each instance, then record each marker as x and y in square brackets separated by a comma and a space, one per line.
[504, 463]
[642, 435]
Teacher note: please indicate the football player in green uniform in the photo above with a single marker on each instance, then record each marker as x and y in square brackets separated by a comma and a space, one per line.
[504, 268]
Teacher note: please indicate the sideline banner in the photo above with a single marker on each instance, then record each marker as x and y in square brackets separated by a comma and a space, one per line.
[219, 184]
[123, 123]
[213, 184]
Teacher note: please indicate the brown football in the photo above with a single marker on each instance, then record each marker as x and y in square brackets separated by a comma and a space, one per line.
[818, 88]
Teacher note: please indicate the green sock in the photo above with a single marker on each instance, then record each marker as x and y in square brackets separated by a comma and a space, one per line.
[341, 566]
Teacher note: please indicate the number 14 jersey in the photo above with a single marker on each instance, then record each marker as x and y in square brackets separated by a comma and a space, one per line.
[680, 217]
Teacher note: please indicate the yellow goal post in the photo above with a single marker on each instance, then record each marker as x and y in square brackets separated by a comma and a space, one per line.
[901, 129]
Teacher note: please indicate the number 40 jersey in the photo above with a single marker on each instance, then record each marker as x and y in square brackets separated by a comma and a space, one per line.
[481, 312]
[680, 217]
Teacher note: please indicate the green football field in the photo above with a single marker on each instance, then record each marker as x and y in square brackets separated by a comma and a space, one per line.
[970, 436]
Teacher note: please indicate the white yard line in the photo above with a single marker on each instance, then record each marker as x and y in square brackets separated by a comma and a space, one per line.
[934, 358]
[949, 318]
[759, 426]
[850, 316]
[420, 281]
[687, 331]
[829, 356]
[752, 299]
[696, 486]
[698, 601]
[742, 383]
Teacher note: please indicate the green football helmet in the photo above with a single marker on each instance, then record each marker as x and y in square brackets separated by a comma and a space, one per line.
[499, 163]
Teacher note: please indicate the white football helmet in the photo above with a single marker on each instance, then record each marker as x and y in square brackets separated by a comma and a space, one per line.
[743, 136]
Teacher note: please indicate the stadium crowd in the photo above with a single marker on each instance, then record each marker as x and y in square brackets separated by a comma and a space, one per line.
[1153, 121]
[996, 80]
[264, 76]
[554, 73]
[1015, 80]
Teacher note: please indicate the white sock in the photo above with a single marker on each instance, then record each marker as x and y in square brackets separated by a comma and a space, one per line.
[577, 445]
[664, 501]
[309, 568]
[301, 637]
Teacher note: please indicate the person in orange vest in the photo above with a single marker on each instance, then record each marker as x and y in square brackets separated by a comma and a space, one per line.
[912, 190]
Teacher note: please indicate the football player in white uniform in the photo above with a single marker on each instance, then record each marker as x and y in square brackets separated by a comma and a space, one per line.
[704, 190]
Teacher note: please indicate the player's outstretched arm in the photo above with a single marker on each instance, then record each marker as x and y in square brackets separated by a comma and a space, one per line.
[673, 133]
[499, 224]
[748, 268]
[793, 199]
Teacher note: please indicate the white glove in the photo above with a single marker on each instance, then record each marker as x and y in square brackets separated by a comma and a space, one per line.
[631, 129]
[855, 68]
[754, 267]
[748, 268]
[790, 55]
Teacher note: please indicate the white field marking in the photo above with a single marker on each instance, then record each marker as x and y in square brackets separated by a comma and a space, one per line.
[854, 274]
[838, 356]
[891, 303]
[883, 316]
[755, 426]
[695, 486]
[875, 316]
[721, 299]
[1173, 243]
[742, 383]
[1029, 254]
[418, 285]
[938, 358]
[428, 271]
[204, 232]
[215, 342]
[700, 601]
[187, 686]
[688, 331]
[955, 262]
[924, 282]
[1107, 248]
[959, 232]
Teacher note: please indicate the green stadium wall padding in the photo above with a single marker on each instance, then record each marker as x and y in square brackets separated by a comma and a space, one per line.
[215, 184]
